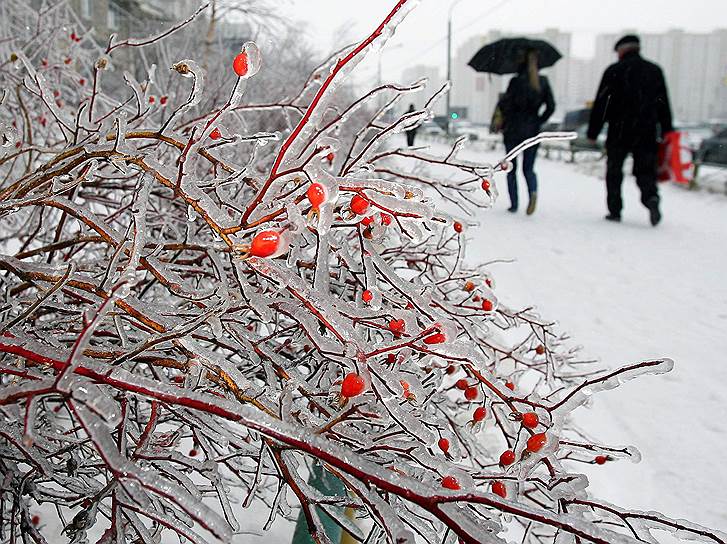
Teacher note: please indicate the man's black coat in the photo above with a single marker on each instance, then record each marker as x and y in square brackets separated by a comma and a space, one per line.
[633, 100]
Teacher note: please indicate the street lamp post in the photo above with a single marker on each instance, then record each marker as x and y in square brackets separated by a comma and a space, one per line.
[449, 61]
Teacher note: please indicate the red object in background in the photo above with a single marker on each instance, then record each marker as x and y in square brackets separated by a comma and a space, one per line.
[675, 162]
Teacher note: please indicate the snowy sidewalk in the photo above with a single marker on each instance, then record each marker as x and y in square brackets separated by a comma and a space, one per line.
[628, 292]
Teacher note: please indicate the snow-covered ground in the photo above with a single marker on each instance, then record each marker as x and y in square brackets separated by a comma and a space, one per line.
[628, 292]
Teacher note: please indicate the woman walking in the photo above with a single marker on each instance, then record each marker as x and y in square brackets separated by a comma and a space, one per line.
[526, 94]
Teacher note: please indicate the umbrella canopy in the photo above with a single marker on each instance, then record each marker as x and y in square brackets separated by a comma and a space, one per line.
[505, 56]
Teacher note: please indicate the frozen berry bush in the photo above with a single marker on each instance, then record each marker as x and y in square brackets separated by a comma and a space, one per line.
[198, 312]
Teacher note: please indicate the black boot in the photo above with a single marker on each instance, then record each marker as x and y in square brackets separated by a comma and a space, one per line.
[512, 208]
[531, 204]
[613, 217]
[654, 213]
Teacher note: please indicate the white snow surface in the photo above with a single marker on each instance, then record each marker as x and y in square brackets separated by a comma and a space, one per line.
[628, 292]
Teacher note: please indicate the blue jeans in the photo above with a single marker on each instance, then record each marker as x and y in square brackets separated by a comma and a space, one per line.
[531, 179]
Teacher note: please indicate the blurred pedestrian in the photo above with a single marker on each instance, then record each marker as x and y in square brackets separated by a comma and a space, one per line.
[411, 133]
[526, 95]
[633, 100]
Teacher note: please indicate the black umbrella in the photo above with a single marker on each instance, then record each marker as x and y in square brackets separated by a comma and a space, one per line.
[505, 56]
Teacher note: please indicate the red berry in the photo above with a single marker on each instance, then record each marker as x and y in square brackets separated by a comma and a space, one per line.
[359, 204]
[316, 194]
[265, 243]
[163, 100]
[193, 452]
[479, 414]
[471, 393]
[152, 99]
[82, 81]
[436, 338]
[56, 93]
[386, 218]
[367, 296]
[536, 442]
[469, 286]
[498, 488]
[510, 386]
[487, 305]
[35, 520]
[352, 386]
[530, 420]
[507, 458]
[476, 298]
[44, 62]
[73, 36]
[397, 326]
[461, 384]
[450, 482]
[488, 281]
[451, 369]
[330, 157]
[239, 65]
[457, 226]
[486, 185]
[601, 459]
[366, 221]
[391, 358]
[67, 60]
[215, 134]
[443, 445]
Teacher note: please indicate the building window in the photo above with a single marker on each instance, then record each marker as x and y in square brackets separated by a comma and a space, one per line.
[86, 9]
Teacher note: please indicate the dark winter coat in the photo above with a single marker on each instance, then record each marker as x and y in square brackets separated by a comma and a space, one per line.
[632, 98]
[521, 107]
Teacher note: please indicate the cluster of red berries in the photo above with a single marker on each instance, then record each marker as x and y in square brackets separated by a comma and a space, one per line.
[436, 338]
[317, 194]
[265, 243]
[397, 326]
[353, 385]
[75, 37]
[240, 64]
[450, 482]
[359, 204]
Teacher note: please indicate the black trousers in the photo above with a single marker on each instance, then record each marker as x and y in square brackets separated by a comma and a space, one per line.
[645, 164]
[410, 135]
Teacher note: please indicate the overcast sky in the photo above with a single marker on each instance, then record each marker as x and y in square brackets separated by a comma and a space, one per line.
[329, 24]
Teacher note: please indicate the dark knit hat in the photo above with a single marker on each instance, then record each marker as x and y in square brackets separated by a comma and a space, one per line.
[629, 39]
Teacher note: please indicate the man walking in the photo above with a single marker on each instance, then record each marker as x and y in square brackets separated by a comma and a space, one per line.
[633, 100]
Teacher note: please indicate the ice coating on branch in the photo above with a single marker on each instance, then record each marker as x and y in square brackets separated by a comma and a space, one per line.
[338, 73]
[610, 380]
[253, 59]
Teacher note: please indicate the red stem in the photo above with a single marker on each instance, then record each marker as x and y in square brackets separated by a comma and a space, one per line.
[314, 103]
